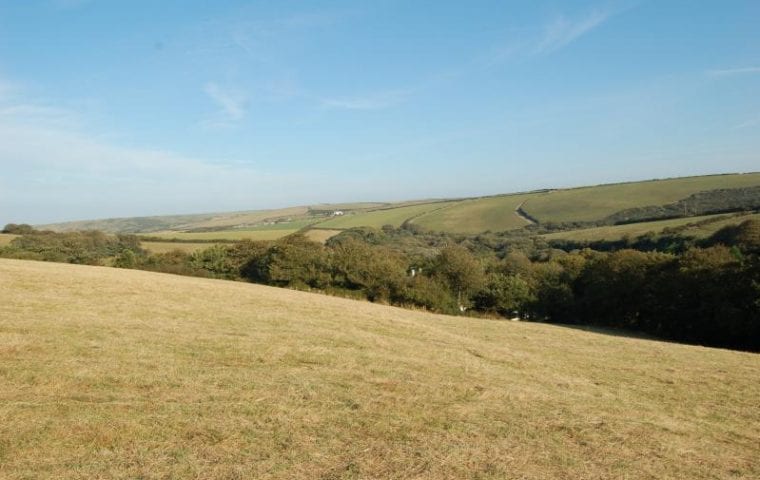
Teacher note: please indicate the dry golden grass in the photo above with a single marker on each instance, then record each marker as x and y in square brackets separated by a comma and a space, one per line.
[6, 238]
[108, 373]
[272, 234]
[320, 235]
[237, 218]
[164, 247]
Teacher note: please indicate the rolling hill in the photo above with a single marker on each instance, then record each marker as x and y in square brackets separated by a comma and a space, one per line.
[466, 215]
[109, 373]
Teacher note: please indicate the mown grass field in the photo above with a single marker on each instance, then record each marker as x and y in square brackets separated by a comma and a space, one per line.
[472, 215]
[321, 236]
[248, 218]
[616, 232]
[477, 215]
[378, 218]
[253, 234]
[108, 373]
[178, 222]
[164, 247]
[6, 238]
[595, 203]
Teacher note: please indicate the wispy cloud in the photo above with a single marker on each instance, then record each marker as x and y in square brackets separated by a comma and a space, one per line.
[752, 122]
[372, 101]
[553, 36]
[56, 169]
[728, 72]
[563, 31]
[6, 89]
[231, 106]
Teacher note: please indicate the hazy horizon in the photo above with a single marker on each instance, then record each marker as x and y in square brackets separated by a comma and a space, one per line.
[370, 200]
[186, 107]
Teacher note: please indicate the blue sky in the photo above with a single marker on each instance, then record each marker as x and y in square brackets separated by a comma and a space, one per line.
[123, 108]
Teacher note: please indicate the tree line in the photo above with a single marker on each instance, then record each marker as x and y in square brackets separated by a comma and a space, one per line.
[705, 292]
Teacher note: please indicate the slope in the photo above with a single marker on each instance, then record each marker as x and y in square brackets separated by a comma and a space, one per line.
[108, 373]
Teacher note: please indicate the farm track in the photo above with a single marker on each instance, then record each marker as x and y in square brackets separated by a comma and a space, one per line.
[521, 213]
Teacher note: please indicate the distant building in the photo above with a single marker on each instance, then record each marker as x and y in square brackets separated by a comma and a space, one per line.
[337, 213]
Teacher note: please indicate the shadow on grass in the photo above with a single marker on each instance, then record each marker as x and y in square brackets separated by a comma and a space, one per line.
[615, 332]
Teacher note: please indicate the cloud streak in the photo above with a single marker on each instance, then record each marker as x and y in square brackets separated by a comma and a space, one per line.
[55, 170]
[730, 72]
[563, 31]
[373, 101]
[554, 36]
[232, 105]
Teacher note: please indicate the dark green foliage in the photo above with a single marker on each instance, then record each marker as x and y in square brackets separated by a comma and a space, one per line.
[702, 203]
[18, 229]
[507, 295]
[430, 293]
[377, 270]
[702, 292]
[294, 261]
[89, 247]
[460, 270]
[745, 236]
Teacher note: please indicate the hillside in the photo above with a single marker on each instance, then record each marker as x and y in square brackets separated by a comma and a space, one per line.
[697, 227]
[110, 373]
[465, 215]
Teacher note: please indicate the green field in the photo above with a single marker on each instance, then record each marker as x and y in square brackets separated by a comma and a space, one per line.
[617, 232]
[581, 204]
[595, 203]
[378, 218]
[474, 215]
[477, 215]
[112, 373]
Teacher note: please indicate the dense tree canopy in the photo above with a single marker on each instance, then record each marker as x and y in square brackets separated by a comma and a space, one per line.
[705, 291]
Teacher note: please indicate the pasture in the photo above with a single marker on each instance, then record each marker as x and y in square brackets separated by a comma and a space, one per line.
[597, 202]
[252, 234]
[164, 247]
[477, 215]
[377, 218]
[109, 373]
[616, 232]
[467, 215]
[321, 236]
[6, 238]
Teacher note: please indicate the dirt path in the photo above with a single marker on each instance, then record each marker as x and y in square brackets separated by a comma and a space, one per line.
[521, 213]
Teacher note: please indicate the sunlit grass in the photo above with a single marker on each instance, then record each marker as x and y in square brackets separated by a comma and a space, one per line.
[616, 232]
[108, 373]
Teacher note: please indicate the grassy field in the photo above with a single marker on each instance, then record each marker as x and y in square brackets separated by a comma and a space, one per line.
[6, 238]
[331, 207]
[321, 236]
[108, 373]
[473, 215]
[253, 234]
[478, 215]
[594, 203]
[163, 247]
[248, 218]
[616, 232]
[177, 222]
[378, 218]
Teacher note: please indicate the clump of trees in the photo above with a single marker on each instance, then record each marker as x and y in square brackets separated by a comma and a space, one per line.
[704, 292]
[87, 247]
[18, 229]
